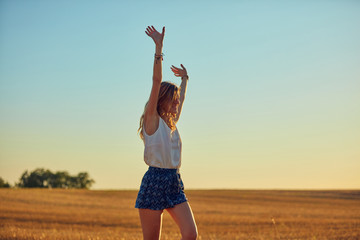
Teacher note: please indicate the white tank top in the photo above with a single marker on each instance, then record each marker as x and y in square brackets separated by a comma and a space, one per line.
[163, 148]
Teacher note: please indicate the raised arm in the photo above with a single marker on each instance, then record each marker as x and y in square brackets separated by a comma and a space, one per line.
[151, 117]
[184, 79]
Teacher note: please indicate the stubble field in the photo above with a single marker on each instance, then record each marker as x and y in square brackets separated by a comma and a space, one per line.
[220, 214]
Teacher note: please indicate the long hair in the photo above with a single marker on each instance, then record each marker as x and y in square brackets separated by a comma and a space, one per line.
[167, 94]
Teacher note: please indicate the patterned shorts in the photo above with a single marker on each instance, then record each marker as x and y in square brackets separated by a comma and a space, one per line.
[160, 188]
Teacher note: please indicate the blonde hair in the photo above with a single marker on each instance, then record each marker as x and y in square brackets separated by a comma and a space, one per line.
[167, 94]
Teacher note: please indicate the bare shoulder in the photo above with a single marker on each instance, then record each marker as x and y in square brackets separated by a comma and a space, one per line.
[151, 123]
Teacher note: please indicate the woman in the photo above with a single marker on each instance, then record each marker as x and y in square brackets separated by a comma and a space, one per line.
[161, 187]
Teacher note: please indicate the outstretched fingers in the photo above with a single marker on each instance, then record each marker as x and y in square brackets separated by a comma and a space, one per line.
[183, 68]
[150, 30]
[177, 71]
[175, 68]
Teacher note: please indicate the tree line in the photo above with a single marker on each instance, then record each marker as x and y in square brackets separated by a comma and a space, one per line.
[44, 178]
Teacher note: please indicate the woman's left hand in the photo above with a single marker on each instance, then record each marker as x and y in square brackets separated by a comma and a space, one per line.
[179, 72]
[155, 35]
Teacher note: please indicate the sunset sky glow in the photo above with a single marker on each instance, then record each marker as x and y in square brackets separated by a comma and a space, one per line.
[273, 99]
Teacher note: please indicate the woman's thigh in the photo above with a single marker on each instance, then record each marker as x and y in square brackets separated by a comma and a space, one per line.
[184, 218]
[151, 221]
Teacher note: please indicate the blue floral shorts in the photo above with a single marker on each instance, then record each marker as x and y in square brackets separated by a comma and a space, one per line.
[160, 188]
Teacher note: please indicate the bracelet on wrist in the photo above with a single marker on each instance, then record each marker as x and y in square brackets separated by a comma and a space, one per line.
[161, 56]
[186, 76]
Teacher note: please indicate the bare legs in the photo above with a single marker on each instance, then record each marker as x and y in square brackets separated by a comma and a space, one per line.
[183, 216]
[151, 221]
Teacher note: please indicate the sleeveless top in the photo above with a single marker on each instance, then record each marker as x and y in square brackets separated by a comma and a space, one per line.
[163, 148]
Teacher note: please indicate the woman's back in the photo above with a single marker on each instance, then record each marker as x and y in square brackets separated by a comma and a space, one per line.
[163, 148]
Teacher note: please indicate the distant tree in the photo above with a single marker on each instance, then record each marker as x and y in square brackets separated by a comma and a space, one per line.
[23, 181]
[84, 180]
[4, 184]
[60, 180]
[41, 178]
[74, 182]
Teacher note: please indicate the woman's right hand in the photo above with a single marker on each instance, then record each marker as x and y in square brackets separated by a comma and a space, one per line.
[155, 35]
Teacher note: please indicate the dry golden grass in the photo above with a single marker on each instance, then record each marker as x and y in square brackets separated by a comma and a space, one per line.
[220, 214]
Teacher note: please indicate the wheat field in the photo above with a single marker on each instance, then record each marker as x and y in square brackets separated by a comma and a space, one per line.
[220, 214]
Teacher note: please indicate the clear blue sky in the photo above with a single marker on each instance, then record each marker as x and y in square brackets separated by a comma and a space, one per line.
[273, 99]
